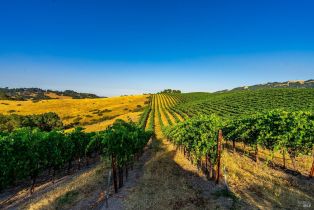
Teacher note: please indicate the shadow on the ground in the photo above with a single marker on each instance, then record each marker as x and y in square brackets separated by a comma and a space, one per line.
[270, 163]
[19, 194]
[165, 184]
[265, 187]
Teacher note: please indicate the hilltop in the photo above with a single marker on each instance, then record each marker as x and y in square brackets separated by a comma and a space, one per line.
[22, 94]
[288, 84]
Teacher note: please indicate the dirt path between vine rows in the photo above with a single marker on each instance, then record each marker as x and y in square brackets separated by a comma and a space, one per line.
[164, 179]
[116, 201]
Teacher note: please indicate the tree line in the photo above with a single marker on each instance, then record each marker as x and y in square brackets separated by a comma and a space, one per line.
[45, 122]
[170, 91]
[36, 94]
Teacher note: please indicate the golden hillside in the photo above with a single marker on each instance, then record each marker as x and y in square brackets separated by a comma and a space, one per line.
[87, 112]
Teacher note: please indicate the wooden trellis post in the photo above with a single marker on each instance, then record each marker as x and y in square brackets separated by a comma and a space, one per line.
[219, 140]
[114, 173]
[312, 169]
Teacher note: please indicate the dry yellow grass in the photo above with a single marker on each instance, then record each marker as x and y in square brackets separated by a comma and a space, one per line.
[133, 116]
[170, 116]
[76, 189]
[170, 181]
[263, 187]
[86, 111]
[163, 118]
[179, 116]
[170, 101]
[303, 163]
[160, 105]
[55, 96]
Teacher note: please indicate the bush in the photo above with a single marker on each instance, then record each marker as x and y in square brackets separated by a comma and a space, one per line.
[45, 122]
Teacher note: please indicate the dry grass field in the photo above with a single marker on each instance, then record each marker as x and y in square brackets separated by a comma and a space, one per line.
[71, 191]
[94, 114]
[263, 187]
[55, 96]
[133, 116]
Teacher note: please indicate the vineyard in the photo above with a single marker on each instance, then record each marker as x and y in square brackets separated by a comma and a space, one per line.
[220, 134]
[271, 128]
[239, 103]
[157, 105]
[28, 153]
[273, 120]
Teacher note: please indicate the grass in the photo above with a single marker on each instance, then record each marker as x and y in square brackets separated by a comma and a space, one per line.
[55, 96]
[134, 116]
[303, 162]
[162, 186]
[79, 189]
[86, 111]
[225, 193]
[66, 199]
[263, 187]
[170, 181]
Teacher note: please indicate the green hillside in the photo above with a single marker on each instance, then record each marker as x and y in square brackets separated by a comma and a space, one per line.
[246, 102]
[270, 85]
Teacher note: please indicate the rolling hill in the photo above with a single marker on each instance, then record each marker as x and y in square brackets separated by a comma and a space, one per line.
[179, 167]
[246, 102]
[83, 112]
[22, 94]
[270, 85]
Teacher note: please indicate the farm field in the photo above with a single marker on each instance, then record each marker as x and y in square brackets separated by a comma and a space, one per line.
[175, 174]
[252, 185]
[95, 114]
[238, 103]
[157, 105]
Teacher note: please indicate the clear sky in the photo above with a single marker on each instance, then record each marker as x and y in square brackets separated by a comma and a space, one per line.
[130, 46]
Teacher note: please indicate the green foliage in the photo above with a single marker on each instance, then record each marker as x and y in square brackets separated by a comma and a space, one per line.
[170, 91]
[45, 122]
[144, 117]
[197, 135]
[123, 140]
[163, 127]
[164, 110]
[172, 112]
[234, 104]
[66, 198]
[288, 84]
[151, 125]
[37, 94]
[27, 152]
[275, 130]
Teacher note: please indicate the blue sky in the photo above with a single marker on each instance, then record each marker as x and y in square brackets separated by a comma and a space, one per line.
[128, 47]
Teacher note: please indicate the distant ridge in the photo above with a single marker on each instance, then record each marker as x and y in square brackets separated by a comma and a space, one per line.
[287, 84]
[40, 94]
